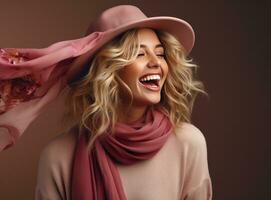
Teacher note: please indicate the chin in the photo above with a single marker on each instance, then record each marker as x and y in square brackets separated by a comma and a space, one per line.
[154, 101]
[149, 101]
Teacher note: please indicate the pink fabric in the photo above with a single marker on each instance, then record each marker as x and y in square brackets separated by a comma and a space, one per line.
[31, 78]
[95, 175]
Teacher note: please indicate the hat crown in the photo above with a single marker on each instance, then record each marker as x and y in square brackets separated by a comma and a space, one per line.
[116, 17]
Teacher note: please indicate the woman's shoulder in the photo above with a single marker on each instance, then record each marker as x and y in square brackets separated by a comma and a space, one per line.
[55, 167]
[61, 148]
[193, 150]
[190, 136]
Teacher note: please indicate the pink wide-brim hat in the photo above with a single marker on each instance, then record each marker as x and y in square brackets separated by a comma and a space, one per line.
[31, 78]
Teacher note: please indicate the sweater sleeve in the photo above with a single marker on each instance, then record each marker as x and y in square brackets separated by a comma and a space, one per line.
[197, 181]
[48, 181]
[201, 192]
[54, 171]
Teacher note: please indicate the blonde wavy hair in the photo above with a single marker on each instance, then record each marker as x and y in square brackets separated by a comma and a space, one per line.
[94, 98]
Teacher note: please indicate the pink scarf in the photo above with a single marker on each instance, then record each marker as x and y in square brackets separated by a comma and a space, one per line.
[95, 177]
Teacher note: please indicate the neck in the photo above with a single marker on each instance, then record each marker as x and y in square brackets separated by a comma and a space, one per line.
[132, 114]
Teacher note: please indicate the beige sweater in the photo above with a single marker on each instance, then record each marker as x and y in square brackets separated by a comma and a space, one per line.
[178, 171]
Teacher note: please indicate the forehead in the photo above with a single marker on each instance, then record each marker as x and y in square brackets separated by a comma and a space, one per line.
[148, 37]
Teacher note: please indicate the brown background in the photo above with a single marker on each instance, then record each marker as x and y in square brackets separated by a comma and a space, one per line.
[231, 40]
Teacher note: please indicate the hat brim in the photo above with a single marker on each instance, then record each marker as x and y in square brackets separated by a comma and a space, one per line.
[182, 30]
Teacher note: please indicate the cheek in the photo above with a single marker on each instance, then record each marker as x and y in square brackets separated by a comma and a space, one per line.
[130, 73]
[125, 74]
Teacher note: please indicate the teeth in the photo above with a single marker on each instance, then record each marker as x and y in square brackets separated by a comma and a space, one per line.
[150, 77]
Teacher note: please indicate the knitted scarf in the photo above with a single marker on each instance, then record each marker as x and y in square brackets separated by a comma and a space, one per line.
[95, 176]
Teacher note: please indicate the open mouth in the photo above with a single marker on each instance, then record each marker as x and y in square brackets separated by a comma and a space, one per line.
[150, 80]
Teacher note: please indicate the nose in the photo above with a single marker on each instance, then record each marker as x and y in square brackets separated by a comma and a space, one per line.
[154, 61]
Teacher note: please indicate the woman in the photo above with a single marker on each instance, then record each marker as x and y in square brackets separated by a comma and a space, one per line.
[132, 103]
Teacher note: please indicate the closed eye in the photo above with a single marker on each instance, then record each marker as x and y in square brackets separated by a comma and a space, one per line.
[140, 54]
[159, 55]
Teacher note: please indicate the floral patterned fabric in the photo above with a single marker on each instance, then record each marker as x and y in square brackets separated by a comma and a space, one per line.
[15, 90]
[32, 78]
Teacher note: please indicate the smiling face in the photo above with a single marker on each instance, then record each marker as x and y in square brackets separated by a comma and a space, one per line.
[146, 75]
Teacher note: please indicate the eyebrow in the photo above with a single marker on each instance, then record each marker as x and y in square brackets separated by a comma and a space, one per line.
[156, 46]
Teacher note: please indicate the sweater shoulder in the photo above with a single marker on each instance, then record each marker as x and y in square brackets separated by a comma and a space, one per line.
[55, 167]
[60, 149]
[190, 136]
